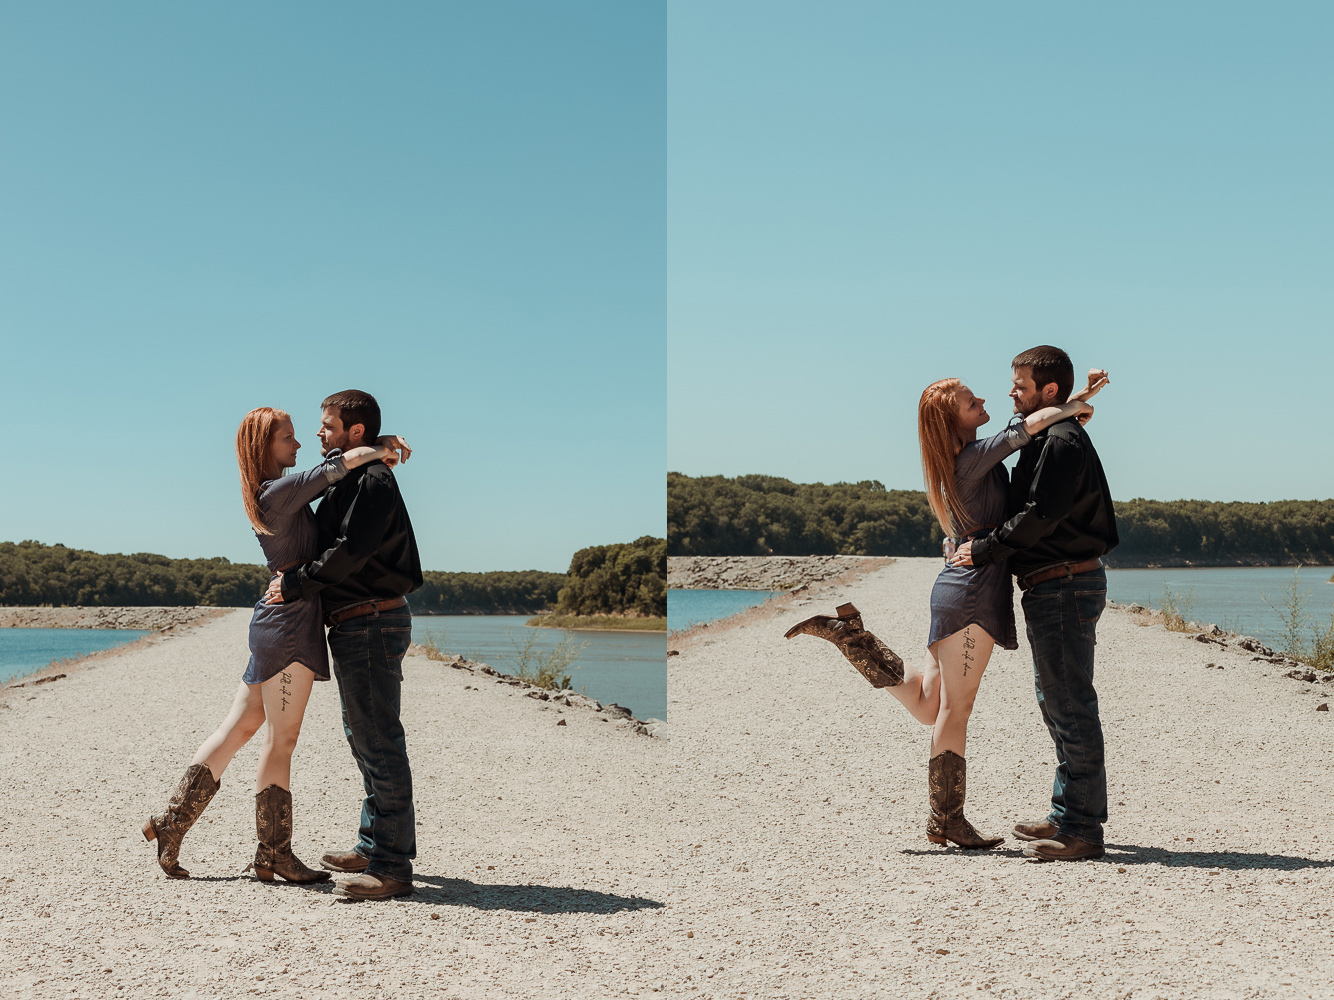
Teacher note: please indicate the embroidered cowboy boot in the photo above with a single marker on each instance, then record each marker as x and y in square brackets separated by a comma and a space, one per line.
[195, 791]
[947, 785]
[273, 825]
[873, 659]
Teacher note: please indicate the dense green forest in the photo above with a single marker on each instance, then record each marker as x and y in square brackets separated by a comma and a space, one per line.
[765, 515]
[627, 579]
[33, 573]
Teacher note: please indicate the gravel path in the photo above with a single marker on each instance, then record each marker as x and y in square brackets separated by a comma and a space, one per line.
[541, 869]
[798, 797]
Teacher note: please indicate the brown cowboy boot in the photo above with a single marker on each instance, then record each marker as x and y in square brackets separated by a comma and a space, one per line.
[947, 782]
[873, 659]
[273, 824]
[195, 790]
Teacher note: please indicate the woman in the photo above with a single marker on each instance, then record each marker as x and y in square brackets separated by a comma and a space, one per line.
[288, 652]
[972, 608]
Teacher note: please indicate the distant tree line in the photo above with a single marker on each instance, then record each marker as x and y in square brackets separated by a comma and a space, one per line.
[605, 579]
[628, 579]
[518, 592]
[33, 573]
[766, 515]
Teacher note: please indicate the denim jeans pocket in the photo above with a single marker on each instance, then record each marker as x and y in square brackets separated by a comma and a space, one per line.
[1090, 605]
[395, 642]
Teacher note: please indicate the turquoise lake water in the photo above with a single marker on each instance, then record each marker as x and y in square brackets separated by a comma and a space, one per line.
[692, 607]
[1229, 596]
[628, 668]
[23, 650]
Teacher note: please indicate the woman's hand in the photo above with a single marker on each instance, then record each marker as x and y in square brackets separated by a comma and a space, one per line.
[395, 448]
[1097, 379]
[1084, 414]
[274, 595]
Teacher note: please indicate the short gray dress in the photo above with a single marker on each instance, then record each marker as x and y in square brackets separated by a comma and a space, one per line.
[290, 632]
[982, 595]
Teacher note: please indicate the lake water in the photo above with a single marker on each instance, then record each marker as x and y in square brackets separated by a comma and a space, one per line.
[629, 668]
[1229, 595]
[692, 607]
[23, 650]
[1224, 595]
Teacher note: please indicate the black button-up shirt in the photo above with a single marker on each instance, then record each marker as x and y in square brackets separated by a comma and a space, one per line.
[370, 553]
[1060, 507]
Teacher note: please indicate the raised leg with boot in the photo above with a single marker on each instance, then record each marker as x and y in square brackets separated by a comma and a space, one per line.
[947, 783]
[273, 824]
[873, 659]
[195, 791]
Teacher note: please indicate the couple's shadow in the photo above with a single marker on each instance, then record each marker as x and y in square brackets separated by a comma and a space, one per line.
[437, 891]
[1134, 854]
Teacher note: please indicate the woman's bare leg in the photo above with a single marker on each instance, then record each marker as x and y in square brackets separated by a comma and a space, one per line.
[285, 695]
[963, 657]
[920, 690]
[242, 722]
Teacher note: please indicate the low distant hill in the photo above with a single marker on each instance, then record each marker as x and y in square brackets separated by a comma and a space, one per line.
[767, 515]
[32, 573]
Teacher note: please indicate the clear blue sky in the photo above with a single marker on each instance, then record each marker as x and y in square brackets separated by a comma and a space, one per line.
[456, 206]
[865, 197]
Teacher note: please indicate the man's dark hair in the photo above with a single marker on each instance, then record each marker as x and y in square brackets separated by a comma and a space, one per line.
[1048, 364]
[356, 407]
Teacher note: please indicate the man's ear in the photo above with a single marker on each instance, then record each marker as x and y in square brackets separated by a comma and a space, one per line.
[357, 434]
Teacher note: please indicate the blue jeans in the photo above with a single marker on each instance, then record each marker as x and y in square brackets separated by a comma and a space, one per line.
[368, 656]
[1062, 618]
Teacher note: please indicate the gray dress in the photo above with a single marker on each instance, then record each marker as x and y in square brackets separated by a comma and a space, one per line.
[290, 632]
[981, 595]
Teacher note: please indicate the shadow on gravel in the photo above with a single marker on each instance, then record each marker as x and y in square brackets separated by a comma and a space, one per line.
[522, 898]
[1131, 854]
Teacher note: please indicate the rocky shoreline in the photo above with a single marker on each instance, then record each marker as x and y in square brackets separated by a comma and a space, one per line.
[763, 572]
[569, 699]
[150, 619]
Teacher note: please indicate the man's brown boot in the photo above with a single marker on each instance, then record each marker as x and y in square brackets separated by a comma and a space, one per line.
[366, 886]
[947, 784]
[1063, 847]
[873, 659]
[344, 861]
[1038, 830]
[273, 824]
[194, 791]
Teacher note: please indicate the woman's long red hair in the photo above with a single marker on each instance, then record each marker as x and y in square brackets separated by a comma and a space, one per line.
[941, 439]
[254, 444]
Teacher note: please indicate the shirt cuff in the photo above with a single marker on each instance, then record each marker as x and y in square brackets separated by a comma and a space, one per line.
[290, 585]
[982, 554]
[1015, 431]
[334, 466]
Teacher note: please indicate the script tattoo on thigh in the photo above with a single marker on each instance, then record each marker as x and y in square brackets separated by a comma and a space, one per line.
[287, 679]
[969, 644]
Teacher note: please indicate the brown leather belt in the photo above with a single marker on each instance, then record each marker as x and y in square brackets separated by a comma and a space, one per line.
[357, 610]
[1066, 570]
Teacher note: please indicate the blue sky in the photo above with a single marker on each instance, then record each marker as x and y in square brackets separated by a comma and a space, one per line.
[458, 207]
[866, 197]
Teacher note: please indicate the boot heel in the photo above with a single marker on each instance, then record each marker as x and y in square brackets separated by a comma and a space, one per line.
[936, 840]
[846, 611]
[150, 831]
[264, 874]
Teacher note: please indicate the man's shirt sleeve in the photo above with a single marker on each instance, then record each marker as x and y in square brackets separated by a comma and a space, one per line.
[1050, 499]
[359, 536]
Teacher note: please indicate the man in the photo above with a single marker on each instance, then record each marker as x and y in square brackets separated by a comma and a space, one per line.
[1061, 523]
[368, 564]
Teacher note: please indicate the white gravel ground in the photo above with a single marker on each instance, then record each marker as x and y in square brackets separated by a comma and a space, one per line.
[541, 867]
[798, 798]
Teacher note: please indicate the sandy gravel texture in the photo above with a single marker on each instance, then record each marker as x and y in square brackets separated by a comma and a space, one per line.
[542, 867]
[799, 801]
[132, 618]
[763, 572]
